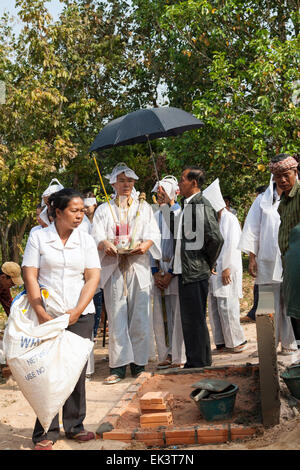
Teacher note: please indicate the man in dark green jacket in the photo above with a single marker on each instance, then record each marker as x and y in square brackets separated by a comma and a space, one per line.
[198, 245]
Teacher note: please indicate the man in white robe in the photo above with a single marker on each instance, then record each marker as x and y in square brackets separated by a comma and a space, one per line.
[165, 286]
[260, 241]
[126, 278]
[225, 285]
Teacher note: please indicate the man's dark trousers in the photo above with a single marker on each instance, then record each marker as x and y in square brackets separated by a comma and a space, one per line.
[193, 300]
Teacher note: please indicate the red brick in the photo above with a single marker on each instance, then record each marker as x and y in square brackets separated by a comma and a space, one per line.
[118, 435]
[141, 435]
[163, 417]
[154, 442]
[212, 439]
[209, 433]
[155, 397]
[240, 432]
[180, 440]
[153, 407]
[180, 436]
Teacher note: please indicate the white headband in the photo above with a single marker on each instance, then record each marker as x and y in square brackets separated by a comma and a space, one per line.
[170, 185]
[90, 201]
[118, 169]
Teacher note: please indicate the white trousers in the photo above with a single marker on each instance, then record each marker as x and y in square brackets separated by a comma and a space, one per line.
[284, 332]
[128, 320]
[176, 342]
[224, 317]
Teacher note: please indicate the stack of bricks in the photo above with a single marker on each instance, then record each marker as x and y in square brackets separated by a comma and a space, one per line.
[156, 409]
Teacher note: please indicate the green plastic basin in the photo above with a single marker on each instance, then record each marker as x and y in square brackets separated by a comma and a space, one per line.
[291, 377]
[217, 406]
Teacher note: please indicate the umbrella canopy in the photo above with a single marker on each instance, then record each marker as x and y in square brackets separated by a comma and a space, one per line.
[144, 125]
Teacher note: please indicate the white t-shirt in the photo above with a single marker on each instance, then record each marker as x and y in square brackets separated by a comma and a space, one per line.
[61, 267]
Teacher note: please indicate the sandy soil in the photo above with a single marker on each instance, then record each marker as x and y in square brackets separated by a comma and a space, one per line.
[184, 411]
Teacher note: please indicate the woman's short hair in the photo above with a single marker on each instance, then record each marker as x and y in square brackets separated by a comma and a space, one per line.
[61, 199]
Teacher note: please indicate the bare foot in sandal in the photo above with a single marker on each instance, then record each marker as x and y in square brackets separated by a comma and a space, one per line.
[112, 379]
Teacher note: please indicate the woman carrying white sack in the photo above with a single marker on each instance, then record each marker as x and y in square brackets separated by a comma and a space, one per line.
[47, 219]
[165, 283]
[64, 259]
[126, 222]
[225, 286]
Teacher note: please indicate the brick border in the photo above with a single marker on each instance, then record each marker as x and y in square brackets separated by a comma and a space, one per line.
[162, 436]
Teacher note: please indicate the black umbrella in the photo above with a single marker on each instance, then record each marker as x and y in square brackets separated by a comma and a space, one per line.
[144, 125]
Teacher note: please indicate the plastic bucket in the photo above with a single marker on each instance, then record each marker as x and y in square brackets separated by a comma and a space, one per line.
[217, 406]
[291, 377]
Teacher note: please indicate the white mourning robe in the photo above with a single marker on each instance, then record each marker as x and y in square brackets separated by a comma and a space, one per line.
[170, 297]
[128, 315]
[223, 301]
[260, 237]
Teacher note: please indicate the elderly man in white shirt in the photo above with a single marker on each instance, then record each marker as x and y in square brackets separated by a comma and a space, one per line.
[125, 232]
[225, 286]
[259, 240]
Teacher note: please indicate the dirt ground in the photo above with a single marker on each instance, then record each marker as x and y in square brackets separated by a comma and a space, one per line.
[17, 418]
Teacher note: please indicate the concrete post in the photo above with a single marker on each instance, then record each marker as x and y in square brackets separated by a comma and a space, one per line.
[268, 370]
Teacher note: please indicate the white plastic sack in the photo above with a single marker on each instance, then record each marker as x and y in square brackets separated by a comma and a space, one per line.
[45, 360]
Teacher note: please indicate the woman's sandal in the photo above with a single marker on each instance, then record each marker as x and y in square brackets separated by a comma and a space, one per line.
[83, 436]
[46, 444]
[112, 379]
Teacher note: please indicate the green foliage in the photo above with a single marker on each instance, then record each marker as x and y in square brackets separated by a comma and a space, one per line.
[233, 63]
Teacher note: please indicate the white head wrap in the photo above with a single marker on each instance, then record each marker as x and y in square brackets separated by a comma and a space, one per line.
[170, 185]
[118, 169]
[52, 188]
[90, 201]
[214, 195]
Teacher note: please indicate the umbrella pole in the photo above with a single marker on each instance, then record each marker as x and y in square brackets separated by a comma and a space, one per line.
[103, 187]
[153, 159]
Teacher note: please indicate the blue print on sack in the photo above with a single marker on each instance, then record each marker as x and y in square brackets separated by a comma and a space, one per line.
[19, 295]
[29, 342]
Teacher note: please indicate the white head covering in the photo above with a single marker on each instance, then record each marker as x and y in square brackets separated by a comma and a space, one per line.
[214, 195]
[89, 201]
[118, 169]
[52, 188]
[170, 185]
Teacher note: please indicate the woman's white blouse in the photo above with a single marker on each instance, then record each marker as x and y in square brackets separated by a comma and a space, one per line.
[61, 267]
